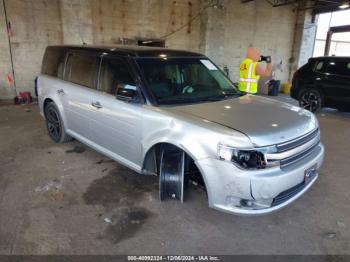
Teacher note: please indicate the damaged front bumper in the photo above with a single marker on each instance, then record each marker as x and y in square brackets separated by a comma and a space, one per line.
[257, 192]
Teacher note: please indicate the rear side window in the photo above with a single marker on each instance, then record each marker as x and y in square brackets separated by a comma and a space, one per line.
[115, 72]
[81, 69]
[339, 67]
[53, 62]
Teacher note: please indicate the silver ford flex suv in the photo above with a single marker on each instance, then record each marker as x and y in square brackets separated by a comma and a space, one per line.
[174, 114]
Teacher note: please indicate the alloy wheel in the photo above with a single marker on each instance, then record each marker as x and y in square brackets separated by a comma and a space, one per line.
[310, 101]
[53, 124]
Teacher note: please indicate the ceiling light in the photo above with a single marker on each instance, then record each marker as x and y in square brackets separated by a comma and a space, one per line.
[344, 5]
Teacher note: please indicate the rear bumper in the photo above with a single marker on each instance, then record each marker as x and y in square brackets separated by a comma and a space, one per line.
[242, 192]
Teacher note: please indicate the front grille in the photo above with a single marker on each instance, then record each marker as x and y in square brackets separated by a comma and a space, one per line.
[290, 160]
[293, 151]
[297, 142]
[289, 193]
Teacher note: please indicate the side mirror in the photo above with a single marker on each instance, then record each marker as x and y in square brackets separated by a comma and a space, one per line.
[127, 93]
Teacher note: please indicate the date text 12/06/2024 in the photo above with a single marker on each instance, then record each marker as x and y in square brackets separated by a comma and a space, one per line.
[173, 258]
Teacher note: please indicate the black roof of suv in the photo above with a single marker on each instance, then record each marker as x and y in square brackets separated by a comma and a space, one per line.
[132, 50]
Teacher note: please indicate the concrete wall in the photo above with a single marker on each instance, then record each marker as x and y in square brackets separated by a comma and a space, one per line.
[304, 39]
[106, 21]
[232, 29]
[35, 24]
[223, 34]
[5, 63]
[145, 19]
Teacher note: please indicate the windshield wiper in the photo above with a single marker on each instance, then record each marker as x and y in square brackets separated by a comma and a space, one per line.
[179, 100]
[222, 96]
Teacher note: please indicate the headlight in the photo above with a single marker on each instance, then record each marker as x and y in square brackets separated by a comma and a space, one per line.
[247, 159]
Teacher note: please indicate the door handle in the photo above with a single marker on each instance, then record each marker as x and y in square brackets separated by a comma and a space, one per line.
[60, 91]
[96, 104]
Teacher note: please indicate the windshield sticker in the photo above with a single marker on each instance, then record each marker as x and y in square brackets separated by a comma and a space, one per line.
[208, 64]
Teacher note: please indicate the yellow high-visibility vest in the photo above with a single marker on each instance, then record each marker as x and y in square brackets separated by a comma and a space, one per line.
[248, 80]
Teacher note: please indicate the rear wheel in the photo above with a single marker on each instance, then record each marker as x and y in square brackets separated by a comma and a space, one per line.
[55, 125]
[310, 99]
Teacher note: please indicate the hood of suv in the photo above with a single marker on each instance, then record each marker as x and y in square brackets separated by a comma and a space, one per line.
[263, 120]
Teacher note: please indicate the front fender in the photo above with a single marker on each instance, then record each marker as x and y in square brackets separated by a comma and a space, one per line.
[199, 138]
[181, 135]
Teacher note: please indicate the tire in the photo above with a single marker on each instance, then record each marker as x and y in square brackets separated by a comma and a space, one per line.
[171, 174]
[55, 125]
[310, 99]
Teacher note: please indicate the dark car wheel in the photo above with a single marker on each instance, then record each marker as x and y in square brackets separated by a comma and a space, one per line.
[171, 180]
[310, 99]
[55, 125]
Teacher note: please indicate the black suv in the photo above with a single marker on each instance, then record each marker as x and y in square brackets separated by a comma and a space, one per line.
[323, 82]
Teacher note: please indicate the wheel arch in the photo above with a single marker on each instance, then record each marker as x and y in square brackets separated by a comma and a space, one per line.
[46, 102]
[50, 99]
[153, 152]
[152, 158]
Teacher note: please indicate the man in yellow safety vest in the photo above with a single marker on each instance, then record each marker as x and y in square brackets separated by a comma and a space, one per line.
[250, 71]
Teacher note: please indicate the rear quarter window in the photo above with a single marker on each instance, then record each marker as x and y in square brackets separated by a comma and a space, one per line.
[82, 69]
[53, 62]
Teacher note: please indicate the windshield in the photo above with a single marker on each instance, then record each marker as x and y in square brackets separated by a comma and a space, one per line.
[185, 80]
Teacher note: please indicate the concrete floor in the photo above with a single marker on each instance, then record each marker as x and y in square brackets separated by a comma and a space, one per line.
[69, 199]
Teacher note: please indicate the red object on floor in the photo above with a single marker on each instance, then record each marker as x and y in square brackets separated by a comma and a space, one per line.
[23, 98]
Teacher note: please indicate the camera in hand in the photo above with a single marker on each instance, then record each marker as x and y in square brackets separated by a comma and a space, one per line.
[267, 59]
